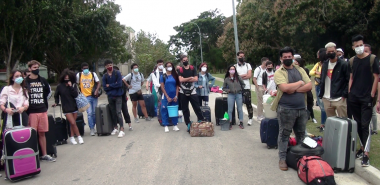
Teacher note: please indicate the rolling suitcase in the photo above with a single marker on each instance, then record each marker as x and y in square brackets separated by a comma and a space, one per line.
[221, 107]
[339, 141]
[295, 153]
[206, 112]
[51, 138]
[269, 129]
[149, 104]
[60, 128]
[80, 124]
[159, 118]
[103, 120]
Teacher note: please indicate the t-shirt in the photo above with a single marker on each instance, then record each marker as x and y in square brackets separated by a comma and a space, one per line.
[271, 86]
[328, 82]
[36, 96]
[187, 85]
[135, 82]
[170, 86]
[258, 73]
[297, 99]
[243, 69]
[86, 83]
[362, 76]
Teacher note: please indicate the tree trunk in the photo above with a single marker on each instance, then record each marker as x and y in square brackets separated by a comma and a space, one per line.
[10, 56]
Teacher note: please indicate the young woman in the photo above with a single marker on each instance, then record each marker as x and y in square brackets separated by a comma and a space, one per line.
[169, 86]
[202, 85]
[67, 90]
[234, 85]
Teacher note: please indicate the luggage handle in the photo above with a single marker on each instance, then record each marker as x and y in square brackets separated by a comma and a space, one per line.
[60, 109]
[11, 117]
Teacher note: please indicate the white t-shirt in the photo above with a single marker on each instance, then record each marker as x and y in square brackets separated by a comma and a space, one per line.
[135, 81]
[271, 86]
[259, 75]
[328, 82]
[243, 69]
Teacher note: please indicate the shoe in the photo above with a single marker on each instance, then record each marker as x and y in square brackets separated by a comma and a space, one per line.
[249, 122]
[175, 128]
[321, 129]
[365, 161]
[166, 129]
[241, 125]
[137, 120]
[47, 158]
[314, 120]
[283, 166]
[130, 129]
[259, 118]
[72, 140]
[359, 154]
[230, 126]
[80, 140]
[188, 127]
[148, 119]
[114, 131]
[121, 134]
[374, 132]
[92, 132]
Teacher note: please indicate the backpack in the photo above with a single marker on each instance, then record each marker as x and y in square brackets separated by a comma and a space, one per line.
[129, 82]
[181, 68]
[312, 170]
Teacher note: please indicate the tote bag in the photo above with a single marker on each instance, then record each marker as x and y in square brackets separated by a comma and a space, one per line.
[82, 102]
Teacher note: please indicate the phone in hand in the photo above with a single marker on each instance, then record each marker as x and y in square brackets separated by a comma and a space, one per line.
[15, 110]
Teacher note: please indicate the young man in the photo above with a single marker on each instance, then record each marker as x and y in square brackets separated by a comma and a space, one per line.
[39, 93]
[290, 102]
[368, 49]
[244, 70]
[268, 78]
[364, 72]
[334, 83]
[124, 107]
[156, 78]
[187, 93]
[258, 81]
[112, 85]
[340, 54]
[89, 83]
[134, 81]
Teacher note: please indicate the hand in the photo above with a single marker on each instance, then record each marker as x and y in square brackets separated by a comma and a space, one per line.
[169, 99]
[96, 94]
[9, 111]
[54, 105]
[372, 95]
[175, 99]
[302, 83]
[107, 85]
[200, 87]
[318, 73]
[129, 86]
[69, 83]
[378, 107]
[21, 109]
[147, 88]
[343, 98]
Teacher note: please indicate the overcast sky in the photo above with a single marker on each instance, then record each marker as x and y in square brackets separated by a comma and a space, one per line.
[160, 16]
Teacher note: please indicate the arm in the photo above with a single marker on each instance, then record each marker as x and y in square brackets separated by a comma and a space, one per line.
[290, 88]
[142, 79]
[118, 82]
[224, 88]
[347, 78]
[265, 81]
[212, 79]
[96, 80]
[312, 72]
[74, 91]
[247, 76]
[56, 95]
[374, 85]
[104, 83]
[305, 88]
[163, 90]
[241, 83]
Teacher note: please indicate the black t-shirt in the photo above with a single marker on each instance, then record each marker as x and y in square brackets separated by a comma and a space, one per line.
[362, 78]
[297, 99]
[186, 73]
[36, 97]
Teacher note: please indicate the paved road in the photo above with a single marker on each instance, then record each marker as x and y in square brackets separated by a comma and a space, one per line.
[147, 155]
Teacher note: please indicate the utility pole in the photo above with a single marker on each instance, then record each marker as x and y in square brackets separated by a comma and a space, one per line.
[235, 31]
[200, 39]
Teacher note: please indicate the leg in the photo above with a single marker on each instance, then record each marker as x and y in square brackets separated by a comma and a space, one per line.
[134, 109]
[185, 107]
[239, 104]
[164, 112]
[231, 102]
[205, 99]
[259, 94]
[286, 120]
[118, 112]
[42, 142]
[321, 106]
[94, 105]
[124, 108]
[89, 112]
[247, 101]
[73, 125]
[329, 108]
[355, 107]
[366, 116]
[311, 111]
[196, 107]
[341, 108]
[300, 125]
[143, 108]
[374, 119]
[200, 100]
[112, 105]
[175, 119]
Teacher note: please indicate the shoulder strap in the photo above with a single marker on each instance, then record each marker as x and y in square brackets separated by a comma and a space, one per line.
[259, 72]
[181, 69]
[80, 75]
[351, 62]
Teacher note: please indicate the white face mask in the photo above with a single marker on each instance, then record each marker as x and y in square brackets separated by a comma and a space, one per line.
[359, 50]
[204, 69]
[160, 67]
[169, 68]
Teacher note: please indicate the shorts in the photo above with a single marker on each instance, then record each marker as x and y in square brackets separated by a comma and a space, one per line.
[39, 121]
[136, 97]
[70, 113]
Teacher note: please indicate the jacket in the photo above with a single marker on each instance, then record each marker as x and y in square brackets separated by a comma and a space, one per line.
[209, 78]
[115, 84]
[339, 80]
[233, 86]
[156, 78]
[67, 95]
[317, 67]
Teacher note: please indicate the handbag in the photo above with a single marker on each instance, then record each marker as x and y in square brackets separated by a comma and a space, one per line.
[100, 91]
[82, 102]
[318, 80]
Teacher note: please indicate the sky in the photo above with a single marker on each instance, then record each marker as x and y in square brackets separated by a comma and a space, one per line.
[160, 16]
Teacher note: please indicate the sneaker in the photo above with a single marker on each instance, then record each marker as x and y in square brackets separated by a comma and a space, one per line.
[321, 129]
[148, 119]
[92, 132]
[114, 131]
[230, 126]
[175, 128]
[166, 129]
[249, 122]
[283, 166]
[241, 125]
[374, 132]
[137, 120]
[314, 120]
[72, 140]
[130, 128]
[121, 134]
[47, 158]
[365, 161]
[359, 154]
[80, 140]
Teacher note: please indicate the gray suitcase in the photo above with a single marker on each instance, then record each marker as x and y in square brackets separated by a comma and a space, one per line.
[339, 142]
[103, 120]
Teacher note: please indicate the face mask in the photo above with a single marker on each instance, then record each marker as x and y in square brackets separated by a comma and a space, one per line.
[86, 71]
[287, 62]
[204, 69]
[270, 69]
[359, 50]
[19, 80]
[241, 60]
[185, 63]
[37, 71]
[136, 70]
[169, 68]
[66, 81]
[331, 55]
[160, 67]
[109, 68]
[232, 71]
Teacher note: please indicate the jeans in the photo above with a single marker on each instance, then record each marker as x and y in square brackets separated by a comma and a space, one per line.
[91, 111]
[124, 110]
[115, 104]
[165, 114]
[288, 120]
[320, 104]
[231, 99]
[194, 100]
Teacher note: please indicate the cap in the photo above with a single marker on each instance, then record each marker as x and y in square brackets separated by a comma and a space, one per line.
[297, 56]
[340, 49]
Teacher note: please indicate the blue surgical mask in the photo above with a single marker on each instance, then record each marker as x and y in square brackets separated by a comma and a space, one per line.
[136, 70]
[19, 80]
[86, 71]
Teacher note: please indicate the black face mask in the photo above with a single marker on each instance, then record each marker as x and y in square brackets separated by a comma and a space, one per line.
[331, 55]
[241, 60]
[287, 62]
[270, 69]
[66, 81]
[36, 72]
[185, 63]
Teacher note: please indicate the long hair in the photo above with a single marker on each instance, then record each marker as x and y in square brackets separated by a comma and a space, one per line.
[301, 62]
[236, 76]
[71, 75]
[174, 73]
[23, 86]
[322, 55]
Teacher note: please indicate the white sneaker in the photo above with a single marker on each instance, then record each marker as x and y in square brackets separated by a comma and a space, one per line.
[80, 140]
[114, 131]
[92, 132]
[314, 120]
[175, 128]
[121, 134]
[166, 129]
[249, 122]
[72, 140]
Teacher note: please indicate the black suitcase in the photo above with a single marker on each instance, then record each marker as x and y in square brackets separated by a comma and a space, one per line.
[159, 118]
[269, 129]
[60, 128]
[104, 122]
[80, 124]
[295, 153]
[51, 138]
[206, 112]
[149, 104]
[221, 106]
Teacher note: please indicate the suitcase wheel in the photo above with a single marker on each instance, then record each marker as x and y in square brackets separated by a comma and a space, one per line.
[270, 147]
[351, 170]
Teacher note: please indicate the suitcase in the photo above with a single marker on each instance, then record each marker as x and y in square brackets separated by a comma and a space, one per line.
[103, 120]
[269, 132]
[221, 107]
[159, 118]
[295, 153]
[206, 112]
[60, 128]
[339, 141]
[202, 129]
[149, 104]
[80, 124]
[51, 138]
